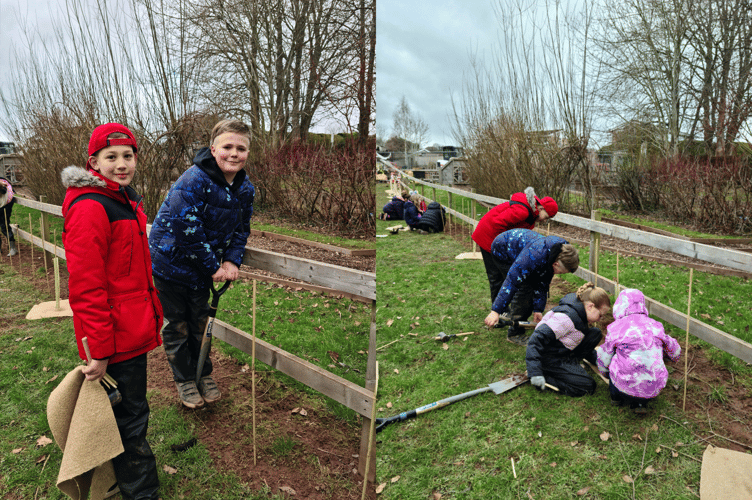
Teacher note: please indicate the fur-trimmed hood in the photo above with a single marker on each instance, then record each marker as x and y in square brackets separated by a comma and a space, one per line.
[73, 176]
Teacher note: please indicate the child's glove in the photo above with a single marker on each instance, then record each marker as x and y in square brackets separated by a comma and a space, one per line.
[539, 381]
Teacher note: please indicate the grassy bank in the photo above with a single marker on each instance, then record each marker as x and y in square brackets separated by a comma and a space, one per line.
[523, 443]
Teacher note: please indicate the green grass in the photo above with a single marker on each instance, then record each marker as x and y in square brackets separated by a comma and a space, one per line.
[557, 443]
[36, 355]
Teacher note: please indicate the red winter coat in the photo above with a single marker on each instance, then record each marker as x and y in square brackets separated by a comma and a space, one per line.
[502, 218]
[110, 285]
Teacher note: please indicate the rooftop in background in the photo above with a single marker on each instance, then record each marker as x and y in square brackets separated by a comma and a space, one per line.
[7, 148]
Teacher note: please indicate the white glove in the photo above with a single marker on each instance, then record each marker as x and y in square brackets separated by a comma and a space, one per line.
[539, 382]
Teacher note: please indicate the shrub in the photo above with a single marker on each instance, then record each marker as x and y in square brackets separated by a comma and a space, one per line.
[332, 187]
[712, 193]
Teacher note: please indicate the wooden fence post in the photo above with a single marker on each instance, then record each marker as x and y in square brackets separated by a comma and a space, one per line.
[475, 213]
[365, 434]
[449, 214]
[595, 244]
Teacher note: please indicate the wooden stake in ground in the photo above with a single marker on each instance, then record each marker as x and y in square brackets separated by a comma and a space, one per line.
[7, 237]
[46, 267]
[31, 235]
[56, 267]
[616, 290]
[371, 433]
[253, 371]
[686, 340]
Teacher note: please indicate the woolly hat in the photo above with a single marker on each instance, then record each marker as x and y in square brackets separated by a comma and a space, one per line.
[549, 205]
[100, 141]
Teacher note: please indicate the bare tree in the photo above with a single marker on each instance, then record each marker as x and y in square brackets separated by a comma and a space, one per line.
[526, 117]
[410, 127]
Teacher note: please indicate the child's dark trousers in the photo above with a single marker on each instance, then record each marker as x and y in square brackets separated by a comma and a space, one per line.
[186, 312]
[135, 468]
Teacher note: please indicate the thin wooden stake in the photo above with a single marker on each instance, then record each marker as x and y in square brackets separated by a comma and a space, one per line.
[371, 433]
[513, 471]
[56, 267]
[548, 229]
[253, 372]
[617, 274]
[7, 237]
[31, 235]
[46, 267]
[686, 340]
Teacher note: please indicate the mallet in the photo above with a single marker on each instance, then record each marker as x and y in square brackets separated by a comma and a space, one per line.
[445, 338]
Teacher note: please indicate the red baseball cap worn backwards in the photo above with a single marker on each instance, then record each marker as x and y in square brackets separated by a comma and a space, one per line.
[549, 205]
[100, 141]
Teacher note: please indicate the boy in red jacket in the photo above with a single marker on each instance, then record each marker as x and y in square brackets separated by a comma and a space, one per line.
[111, 291]
[522, 211]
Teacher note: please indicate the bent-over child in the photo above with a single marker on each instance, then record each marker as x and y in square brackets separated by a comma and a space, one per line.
[111, 291]
[394, 209]
[527, 262]
[199, 237]
[563, 338]
[632, 355]
[411, 214]
[522, 211]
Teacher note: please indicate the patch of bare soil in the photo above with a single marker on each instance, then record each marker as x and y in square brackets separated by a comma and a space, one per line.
[315, 454]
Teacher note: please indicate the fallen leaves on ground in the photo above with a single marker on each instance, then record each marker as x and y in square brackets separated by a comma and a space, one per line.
[288, 490]
[43, 441]
[605, 435]
[380, 488]
[169, 470]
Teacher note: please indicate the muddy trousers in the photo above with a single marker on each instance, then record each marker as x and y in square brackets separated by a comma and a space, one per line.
[135, 468]
[521, 306]
[186, 312]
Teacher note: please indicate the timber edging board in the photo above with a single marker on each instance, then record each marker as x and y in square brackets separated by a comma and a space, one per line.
[367, 252]
[343, 391]
[720, 339]
[700, 267]
[305, 286]
[360, 283]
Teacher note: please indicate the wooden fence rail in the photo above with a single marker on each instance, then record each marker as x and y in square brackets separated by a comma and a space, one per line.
[730, 258]
[721, 256]
[360, 284]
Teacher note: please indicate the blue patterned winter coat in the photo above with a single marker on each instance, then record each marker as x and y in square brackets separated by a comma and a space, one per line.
[411, 214]
[531, 256]
[632, 354]
[203, 222]
[394, 209]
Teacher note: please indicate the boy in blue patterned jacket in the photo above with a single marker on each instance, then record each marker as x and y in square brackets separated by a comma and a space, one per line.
[527, 261]
[199, 237]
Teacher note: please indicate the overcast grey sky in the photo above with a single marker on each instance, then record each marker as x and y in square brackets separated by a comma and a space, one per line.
[422, 52]
[13, 15]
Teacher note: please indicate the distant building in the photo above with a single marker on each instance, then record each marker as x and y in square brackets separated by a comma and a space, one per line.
[10, 163]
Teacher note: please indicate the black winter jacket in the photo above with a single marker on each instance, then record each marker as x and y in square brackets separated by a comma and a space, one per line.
[433, 219]
[562, 333]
